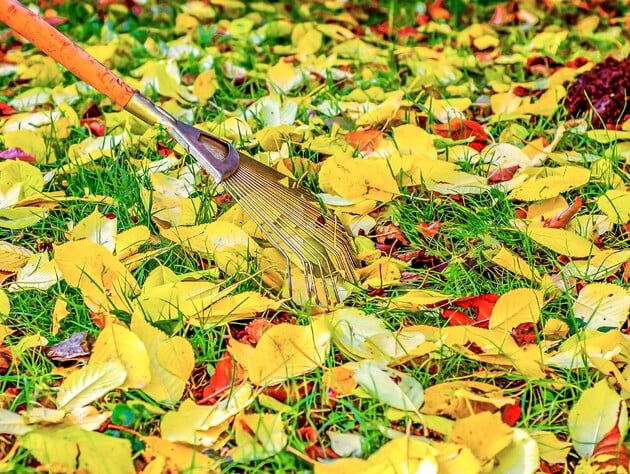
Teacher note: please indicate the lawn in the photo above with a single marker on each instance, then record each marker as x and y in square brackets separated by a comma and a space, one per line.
[478, 156]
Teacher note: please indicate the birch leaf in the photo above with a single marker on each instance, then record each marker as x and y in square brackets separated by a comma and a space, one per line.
[602, 305]
[90, 383]
[596, 412]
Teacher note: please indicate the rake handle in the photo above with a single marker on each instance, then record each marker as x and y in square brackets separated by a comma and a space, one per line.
[63, 50]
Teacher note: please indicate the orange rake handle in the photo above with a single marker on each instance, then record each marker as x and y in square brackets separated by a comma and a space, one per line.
[63, 50]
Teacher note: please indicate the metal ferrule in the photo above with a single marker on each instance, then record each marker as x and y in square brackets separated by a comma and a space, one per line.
[147, 111]
[218, 157]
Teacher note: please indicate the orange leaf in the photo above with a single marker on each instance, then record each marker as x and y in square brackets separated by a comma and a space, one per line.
[364, 140]
[562, 218]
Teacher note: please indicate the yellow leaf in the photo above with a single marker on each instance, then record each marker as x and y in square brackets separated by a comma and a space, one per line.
[504, 103]
[27, 176]
[5, 305]
[285, 351]
[520, 456]
[416, 300]
[412, 140]
[205, 85]
[60, 311]
[21, 217]
[31, 142]
[102, 52]
[177, 457]
[93, 148]
[389, 386]
[39, 273]
[203, 424]
[512, 262]
[129, 241]
[98, 229]
[354, 178]
[13, 257]
[546, 104]
[615, 204]
[164, 78]
[561, 180]
[382, 272]
[383, 112]
[496, 435]
[550, 448]
[400, 455]
[562, 241]
[548, 41]
[283, 77]
[171, 360]
[596, 412]
[446, 109]
[89, 384]
[600, 266]
[239, 306]
[460, 399]
[602, 305]
[607, 136]
[211, 238]
[117, 343]
[4, 332]
[41, 71]
[73, 449]
[522, 305]
[105, 282]
[258, 436]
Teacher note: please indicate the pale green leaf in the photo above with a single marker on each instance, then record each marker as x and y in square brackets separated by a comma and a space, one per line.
[90, 383]
[394, 388]
[595, 414]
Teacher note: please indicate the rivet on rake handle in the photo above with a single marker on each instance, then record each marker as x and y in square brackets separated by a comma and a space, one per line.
[289, 217]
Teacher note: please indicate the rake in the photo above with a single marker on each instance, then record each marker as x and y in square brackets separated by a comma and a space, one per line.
[289, 216]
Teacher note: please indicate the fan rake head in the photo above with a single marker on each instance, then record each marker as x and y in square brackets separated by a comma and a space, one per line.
[294, 223]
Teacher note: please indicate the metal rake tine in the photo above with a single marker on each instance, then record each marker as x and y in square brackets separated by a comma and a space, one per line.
[287, 235]
[271, 230]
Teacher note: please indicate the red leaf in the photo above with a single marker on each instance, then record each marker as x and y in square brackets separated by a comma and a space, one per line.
[525, 333]
[6, 109]
[222, 378]
[457, 318]
[430, 230]
[458, 129]
[561, 219]
[481, 304]
[502, 174]
[55, 20]
[308, 433]
[16, 153]
[315, 451]
[437, 12]
[612, 449]
[501, 16]
[96, 126]
[510, 414]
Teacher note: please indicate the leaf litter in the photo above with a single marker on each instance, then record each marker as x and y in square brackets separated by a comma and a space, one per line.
[480, 165]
